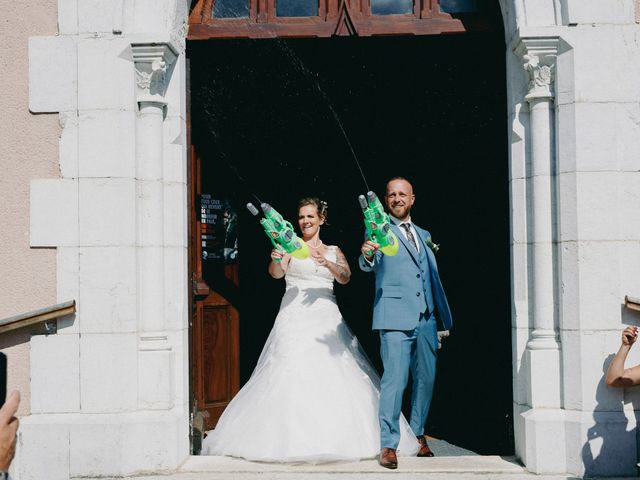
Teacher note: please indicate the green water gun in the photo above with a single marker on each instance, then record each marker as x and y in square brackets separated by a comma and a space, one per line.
[378, 225]
[280, 232]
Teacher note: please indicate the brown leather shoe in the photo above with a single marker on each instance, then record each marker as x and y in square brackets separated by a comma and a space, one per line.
[424, 451]
[388, 458]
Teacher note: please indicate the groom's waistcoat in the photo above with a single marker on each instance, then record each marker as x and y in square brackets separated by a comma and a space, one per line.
[407, 284]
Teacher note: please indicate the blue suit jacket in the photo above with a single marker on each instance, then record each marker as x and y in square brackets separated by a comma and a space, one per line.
[399, 280]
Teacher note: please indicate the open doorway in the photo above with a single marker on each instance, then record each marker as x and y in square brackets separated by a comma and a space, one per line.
[430, 108]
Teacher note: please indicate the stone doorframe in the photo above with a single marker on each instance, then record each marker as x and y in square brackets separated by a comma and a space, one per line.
[118, 217]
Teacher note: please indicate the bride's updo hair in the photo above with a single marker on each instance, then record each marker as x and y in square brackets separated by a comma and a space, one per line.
[321, 206]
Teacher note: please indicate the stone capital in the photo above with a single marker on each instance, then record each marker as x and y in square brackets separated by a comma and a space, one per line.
[538, 56]
[152, 62]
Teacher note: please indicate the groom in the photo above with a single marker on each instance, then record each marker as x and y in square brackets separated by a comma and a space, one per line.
[408, 296]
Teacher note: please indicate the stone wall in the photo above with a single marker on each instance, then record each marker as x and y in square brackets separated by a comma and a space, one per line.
[566, 419]
[118, 219]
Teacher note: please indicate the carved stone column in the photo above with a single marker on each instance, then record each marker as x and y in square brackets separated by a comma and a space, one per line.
[543, 349]
[152, 62]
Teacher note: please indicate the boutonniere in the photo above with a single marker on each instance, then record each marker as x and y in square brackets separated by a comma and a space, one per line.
[433, 246]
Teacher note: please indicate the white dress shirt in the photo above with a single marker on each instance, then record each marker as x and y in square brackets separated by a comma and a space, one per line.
[404, 232]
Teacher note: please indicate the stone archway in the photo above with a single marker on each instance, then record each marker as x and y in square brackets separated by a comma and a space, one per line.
[567, 271]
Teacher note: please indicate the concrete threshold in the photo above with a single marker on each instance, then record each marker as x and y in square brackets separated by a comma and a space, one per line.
[474, 467]
[459, 464]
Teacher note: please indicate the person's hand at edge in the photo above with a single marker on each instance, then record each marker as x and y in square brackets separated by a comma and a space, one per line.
[8, 429]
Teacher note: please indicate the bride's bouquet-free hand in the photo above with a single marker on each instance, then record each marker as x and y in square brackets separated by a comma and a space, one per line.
[280, 232]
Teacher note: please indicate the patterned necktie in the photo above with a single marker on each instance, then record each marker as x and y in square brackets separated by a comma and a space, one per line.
[410, 237]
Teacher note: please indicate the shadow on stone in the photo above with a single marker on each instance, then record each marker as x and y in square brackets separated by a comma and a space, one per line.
[611, 440]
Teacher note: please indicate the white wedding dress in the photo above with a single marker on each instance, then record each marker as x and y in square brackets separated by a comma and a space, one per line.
[313, 396]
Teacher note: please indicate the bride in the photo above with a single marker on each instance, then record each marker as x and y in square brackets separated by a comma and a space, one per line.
[313, 396]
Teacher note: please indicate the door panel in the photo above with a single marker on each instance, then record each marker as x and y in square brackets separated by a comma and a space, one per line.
[216, 354]
[215, 323]
[217, 359]
[220, 362]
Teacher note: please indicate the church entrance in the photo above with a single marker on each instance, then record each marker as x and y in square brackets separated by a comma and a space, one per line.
[278, 119]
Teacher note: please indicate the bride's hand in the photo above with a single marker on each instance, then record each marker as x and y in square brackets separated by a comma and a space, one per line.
[320, 260]
[277, 254]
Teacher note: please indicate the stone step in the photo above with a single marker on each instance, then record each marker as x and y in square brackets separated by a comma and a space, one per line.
[458, 464]
[474, 467]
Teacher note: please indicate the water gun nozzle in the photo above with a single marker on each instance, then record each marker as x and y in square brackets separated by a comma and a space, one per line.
[254, 211]
[266, 208]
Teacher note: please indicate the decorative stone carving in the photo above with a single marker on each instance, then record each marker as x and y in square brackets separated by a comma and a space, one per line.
[179, 37]
[154, 82]
[152, 63]
[540, 77]
[539, 56]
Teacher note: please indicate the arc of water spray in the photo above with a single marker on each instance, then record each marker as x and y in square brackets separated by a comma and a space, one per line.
[314, 81]
[295, 59]
[231, 166]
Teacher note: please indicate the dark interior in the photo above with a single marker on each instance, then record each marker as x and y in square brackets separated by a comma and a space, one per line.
[267, 119]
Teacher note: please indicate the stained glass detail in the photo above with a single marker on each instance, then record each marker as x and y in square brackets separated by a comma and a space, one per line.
[230, 8]
[391, 7]
[296, 8]
[458, 6]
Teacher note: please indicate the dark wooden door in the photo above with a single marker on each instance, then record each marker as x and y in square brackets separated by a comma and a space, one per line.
[215, 321]
[216, 347]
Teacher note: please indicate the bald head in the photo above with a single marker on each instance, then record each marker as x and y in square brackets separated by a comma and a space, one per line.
[399, 197]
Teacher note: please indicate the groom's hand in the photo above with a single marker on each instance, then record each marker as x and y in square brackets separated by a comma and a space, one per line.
[369, 249]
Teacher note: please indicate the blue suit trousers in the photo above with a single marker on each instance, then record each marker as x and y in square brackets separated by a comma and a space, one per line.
[403, 351]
